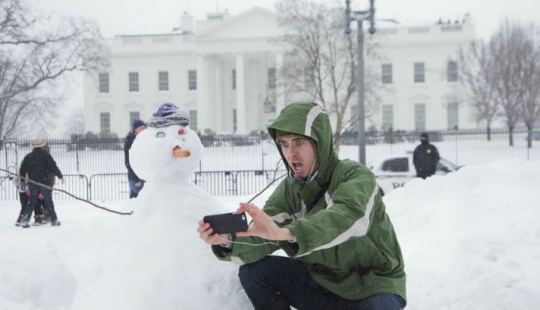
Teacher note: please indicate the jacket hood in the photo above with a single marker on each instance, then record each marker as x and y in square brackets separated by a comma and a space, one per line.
[310, 120]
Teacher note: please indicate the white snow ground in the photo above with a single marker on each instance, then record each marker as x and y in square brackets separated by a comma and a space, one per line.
[471, 240]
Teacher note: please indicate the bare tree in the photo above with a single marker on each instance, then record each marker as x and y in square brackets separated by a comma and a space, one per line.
[320, 59]
[75, 121]
[508, 73]
[35, 51]
[529, 94]
[476, 75]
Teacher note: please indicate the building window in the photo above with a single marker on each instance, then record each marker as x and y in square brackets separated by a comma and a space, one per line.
[192, 79]
[453, 115]
[386, 73]
[163, 80]
[133, 116]
[104, 82]
[420, 116]
[193, 119]
[419, 72]
[234, 120]
[233, 78]
[105, 122]
[388, 116]
[451, 71]
[133, 81]
[269, 105]
[309, 77]
[271, 78]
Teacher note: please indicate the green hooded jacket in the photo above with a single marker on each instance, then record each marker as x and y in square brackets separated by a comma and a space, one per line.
[343, 233]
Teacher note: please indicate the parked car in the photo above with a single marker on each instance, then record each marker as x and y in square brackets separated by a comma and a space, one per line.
[394, 171]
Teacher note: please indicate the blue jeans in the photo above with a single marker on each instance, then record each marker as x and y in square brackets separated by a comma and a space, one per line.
[134, 189]
[280, 282]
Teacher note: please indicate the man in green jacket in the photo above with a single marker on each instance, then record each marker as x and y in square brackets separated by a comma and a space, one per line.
[329, 218]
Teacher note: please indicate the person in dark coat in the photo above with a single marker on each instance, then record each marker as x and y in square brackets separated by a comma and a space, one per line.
[425, 158]
[24, 192]
[135, 183]
[52, 178]
[22, 187]
[38, 166]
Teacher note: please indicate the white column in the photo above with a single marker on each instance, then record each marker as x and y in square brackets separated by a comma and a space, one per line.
[219, 124]
[203, 110]
[240, 95]
[280, 86]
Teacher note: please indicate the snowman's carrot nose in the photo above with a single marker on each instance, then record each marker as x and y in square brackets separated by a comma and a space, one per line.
[178, 152]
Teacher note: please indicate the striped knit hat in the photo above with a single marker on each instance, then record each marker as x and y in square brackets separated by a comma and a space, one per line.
[168, 114]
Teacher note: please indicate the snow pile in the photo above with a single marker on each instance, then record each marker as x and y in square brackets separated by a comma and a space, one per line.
[471, 239]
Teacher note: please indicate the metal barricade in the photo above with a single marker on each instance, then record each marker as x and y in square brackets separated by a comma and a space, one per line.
[225, 183]
[115, 186]
[75, 184]
[8, 190]
[109, 186]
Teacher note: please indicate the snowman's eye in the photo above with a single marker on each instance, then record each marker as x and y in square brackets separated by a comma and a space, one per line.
[160, 134]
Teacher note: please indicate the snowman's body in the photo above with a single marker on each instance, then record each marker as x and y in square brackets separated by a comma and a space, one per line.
[166, 212]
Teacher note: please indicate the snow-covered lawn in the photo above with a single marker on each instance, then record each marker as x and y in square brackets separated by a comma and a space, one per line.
[471, 240]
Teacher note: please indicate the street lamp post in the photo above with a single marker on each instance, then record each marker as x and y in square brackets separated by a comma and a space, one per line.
[360, 17]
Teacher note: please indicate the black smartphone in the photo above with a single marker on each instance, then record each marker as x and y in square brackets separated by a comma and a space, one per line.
[226, 223]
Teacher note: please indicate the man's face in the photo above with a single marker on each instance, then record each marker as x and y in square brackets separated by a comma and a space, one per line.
[299, 153]
[422, 139]
[139, 129]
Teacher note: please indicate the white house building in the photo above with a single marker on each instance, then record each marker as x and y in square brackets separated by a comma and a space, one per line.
[419, 73]
[223, 69]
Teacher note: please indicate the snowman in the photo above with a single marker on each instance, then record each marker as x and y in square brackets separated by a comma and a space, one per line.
[166, 213]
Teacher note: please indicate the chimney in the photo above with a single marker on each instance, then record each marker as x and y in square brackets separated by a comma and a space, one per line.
[186, 23]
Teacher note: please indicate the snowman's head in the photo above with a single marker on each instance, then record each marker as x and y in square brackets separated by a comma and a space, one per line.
[168, 149]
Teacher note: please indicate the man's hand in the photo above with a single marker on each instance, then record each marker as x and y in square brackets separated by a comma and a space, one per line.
[138, 184]
[205, 230]
[263, 226]
[62, 180]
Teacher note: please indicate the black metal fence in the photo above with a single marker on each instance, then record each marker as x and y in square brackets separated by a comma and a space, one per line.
[244, 164]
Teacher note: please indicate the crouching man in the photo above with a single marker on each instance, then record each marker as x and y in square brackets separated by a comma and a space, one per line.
[328, 217]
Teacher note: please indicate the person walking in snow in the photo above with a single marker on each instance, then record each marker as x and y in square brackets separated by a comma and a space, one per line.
[52, 178]
[24, 193]
[329, 218]
[22, 187]
[135, 183]
[425, 157]
[41, 217]
[38, 166]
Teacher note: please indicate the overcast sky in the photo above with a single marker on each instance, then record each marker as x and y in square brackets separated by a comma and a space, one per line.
[117, 17]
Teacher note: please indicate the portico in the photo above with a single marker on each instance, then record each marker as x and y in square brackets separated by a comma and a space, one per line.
[236, 73]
